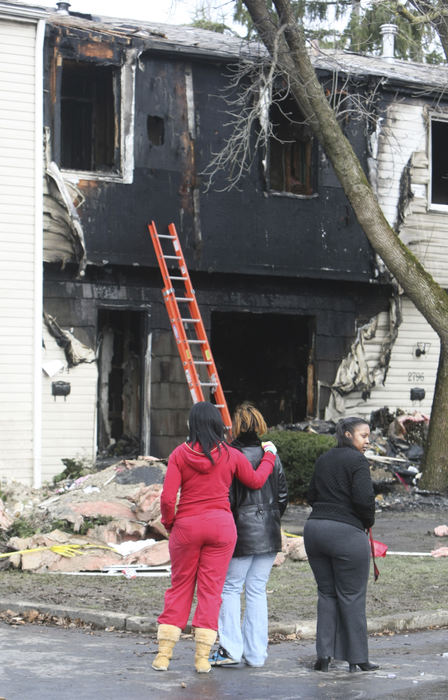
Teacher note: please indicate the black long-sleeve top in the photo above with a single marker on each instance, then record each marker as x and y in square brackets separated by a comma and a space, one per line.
[341, 488]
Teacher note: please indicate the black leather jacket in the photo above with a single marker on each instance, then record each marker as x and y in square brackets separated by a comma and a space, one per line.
[257, 513]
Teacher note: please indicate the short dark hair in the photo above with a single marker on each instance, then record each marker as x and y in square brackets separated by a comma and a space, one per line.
[206, 427]
[347, 425]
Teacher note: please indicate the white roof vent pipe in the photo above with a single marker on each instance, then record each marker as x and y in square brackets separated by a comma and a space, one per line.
[388, 32]
[62, 8]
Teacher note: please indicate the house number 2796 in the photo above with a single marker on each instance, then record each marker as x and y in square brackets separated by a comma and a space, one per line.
[416, 377]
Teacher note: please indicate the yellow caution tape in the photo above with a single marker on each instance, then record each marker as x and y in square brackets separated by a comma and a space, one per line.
[289, 534]
[65, 550]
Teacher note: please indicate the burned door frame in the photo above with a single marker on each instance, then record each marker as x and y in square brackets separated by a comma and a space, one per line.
[145, 371]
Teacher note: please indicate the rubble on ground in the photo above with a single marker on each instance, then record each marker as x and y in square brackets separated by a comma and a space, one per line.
[100, 510]
[295, 549]
[311, 425]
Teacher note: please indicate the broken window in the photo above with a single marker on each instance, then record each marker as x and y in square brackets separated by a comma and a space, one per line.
[156, 130]
[88, 117]
[290, 150]
[439, 162]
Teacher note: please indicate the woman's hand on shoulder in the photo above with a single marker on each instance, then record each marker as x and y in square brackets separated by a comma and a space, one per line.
[269, 446]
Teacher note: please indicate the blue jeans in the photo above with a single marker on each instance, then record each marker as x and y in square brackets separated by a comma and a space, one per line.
[249, 640]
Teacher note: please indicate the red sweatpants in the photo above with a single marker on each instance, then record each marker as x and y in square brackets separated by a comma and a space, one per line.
[201, 548]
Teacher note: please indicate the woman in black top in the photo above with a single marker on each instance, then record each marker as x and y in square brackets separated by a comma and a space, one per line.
[341, 495]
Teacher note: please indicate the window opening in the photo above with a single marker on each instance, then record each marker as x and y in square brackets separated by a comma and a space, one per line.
[155, 127]
[88, 119]
[439, 163]
[290, 150]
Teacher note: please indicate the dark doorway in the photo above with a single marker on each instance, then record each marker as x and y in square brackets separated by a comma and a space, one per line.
[266, 359]
[121, 369]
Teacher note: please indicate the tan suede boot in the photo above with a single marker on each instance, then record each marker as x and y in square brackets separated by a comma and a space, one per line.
[167, 636]
[205, 639]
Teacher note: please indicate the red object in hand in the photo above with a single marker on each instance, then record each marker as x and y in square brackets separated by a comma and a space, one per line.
[379, 548]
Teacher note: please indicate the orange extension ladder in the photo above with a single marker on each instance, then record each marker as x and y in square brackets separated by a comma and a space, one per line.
[185, 327]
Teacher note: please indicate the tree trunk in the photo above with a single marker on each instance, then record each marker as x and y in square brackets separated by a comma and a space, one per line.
[429, 298]
[435, 467]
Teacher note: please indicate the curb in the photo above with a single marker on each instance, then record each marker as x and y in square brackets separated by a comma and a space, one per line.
[305, 629]
[102, 619]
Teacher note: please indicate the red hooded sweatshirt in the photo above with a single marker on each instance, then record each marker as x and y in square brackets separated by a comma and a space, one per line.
[205, 486]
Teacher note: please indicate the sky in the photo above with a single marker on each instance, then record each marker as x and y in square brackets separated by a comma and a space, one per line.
[167, 11]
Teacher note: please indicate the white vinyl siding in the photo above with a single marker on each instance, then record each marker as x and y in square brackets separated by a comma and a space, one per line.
[406, 370]
[69, 424]
[403, 142]
[17, 257]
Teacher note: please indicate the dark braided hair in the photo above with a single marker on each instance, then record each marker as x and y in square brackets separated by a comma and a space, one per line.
[347, 425]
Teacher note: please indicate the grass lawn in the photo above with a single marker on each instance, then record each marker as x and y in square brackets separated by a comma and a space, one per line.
[405, 584]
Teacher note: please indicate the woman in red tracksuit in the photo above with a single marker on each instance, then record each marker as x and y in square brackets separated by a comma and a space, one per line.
[203, 532]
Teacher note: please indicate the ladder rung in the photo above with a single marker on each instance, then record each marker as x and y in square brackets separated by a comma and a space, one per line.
[171, 257]
[202, 342]
[202, 362]
[208, 383]
[190, 320]
[219, 405]
[177, 278]
[184, 298]
[172, 238]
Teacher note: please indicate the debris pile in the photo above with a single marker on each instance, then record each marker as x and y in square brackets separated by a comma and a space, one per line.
[395, 454]
[397, 448]
[99, 520]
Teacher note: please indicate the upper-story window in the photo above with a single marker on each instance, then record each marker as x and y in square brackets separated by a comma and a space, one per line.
[92, 113]
[89, 123]
[439, 162]
[290, 157]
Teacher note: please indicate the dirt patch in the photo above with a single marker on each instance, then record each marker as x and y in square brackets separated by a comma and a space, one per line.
[407, 525]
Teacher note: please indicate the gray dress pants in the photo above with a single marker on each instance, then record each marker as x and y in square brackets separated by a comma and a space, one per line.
[339, 555]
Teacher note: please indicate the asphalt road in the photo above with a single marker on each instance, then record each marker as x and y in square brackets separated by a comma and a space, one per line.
[53, 663]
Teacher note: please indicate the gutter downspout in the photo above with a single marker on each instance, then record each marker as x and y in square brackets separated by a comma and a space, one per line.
[38, 253]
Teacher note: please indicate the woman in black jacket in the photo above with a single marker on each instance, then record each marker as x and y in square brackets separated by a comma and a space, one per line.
[341, 495]
[257, 517]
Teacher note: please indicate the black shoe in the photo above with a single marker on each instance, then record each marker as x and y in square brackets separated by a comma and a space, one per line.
[322, 664]
[367, 666]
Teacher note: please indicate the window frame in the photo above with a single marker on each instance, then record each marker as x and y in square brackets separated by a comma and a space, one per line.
[124, 105]
[266, 123]
[434, 117]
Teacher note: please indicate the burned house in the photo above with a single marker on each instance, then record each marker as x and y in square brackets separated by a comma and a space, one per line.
[132, 114]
